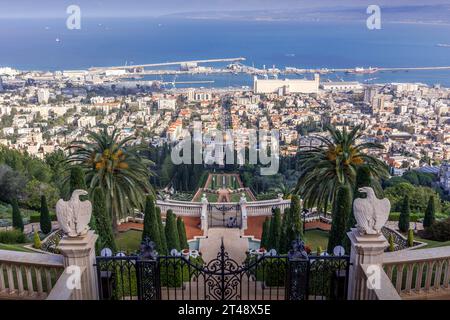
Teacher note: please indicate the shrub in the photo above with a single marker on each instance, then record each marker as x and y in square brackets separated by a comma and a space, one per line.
[12, 236]
[17, 221]
[182, 233]
[439, 231]
[45, 222]
[151, 227]
[341, 211]
[410, 238]
[35, 217]
[429, 213]
[172, 238]
[403, 222]
[391, 243]
[36, 241]
[102, 222]
[275, 230]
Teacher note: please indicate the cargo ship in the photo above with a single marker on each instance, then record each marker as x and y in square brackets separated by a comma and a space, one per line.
[359, 70]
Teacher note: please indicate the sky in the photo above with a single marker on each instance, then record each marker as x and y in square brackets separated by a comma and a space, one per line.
[154, 8]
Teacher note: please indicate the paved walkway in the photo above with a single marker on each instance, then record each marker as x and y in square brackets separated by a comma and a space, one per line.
[234, 244]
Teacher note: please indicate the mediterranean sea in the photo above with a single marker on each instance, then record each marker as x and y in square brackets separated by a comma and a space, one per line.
[42, 44]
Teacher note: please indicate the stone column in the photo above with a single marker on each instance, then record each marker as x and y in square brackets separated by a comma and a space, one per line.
[204, 214]
[243, 204]
[80, 251]
[365, 249]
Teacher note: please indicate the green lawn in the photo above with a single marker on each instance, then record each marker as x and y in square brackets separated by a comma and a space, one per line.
[431, 243]
[316, 238]
[128, 241]
[14, 247]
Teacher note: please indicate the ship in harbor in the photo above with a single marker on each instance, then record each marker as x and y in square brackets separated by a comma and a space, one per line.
[359, 70]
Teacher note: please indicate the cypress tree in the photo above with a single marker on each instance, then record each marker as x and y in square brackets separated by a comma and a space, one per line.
[294, 224]
[17, 221]
[182, 233]
[172, 237]
[162, 234]
[44, 221]
[341, 212]
[102, 222]
[151, 227]
[283, 233]
[265, 234]
[391, 243]
[77, 179]
[429, 213]
[403, 222]
[275, 230]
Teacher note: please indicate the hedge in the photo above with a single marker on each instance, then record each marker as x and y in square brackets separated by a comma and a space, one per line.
[12, 237]
[414, 217]
[35, 217]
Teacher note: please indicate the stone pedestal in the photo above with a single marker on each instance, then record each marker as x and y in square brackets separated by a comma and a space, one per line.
[204, 214]
[80, 251]
[243, 205]
[365, 249]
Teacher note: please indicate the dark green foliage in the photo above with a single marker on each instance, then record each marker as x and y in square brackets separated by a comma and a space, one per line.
[403, 222]
[17, 221]
[45, 221]
[410, 238]
[391, 243]
[182, 233]
[77, 179]
[172, 237]
[163, 249]
[439, 231]
[341, 212]
[12, 237]
[283, 248]
[102, 222]
[151, 226]
[265, 234]
[275, 230]
[429, 213]
[294, 225]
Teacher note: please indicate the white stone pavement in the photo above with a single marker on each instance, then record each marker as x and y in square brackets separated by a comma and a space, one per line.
[234, 244]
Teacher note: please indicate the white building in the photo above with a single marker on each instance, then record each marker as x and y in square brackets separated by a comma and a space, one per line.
[341, 86]
[43, 95]
[167, 103]
[444, 176]
[286, 86]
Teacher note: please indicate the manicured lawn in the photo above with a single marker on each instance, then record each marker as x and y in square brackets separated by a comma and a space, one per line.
[14, 247]
[316, 238]
[129, 241]
[431, 243]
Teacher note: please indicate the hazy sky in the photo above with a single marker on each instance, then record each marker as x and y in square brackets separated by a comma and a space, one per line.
[57, 8]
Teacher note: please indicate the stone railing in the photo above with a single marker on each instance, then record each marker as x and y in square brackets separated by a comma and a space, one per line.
[385, 291]
[264, 208]
[417, 274]
[60, 290]
[180, 208]
[400, 241]
[28, 275]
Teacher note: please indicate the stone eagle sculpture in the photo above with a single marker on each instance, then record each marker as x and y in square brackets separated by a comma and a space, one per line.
[370, 213]
[74, 215]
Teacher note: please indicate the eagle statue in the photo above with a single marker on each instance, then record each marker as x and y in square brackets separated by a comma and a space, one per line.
[74, 215]
[370, 213]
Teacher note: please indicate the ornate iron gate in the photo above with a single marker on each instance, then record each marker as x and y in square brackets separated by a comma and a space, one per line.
[224, 215]
[295, 276]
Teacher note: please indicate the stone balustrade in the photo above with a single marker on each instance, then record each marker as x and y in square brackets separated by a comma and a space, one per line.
[419, 273]
[61, 291]
[180, 208]
[385, 291]
[264, 208]
[28, 275]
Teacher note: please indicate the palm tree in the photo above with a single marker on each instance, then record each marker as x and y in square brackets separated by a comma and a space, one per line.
[334, 163]
[116, 167]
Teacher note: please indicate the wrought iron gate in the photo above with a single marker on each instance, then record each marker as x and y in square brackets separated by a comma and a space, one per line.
[224, 215]
[295, 276]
